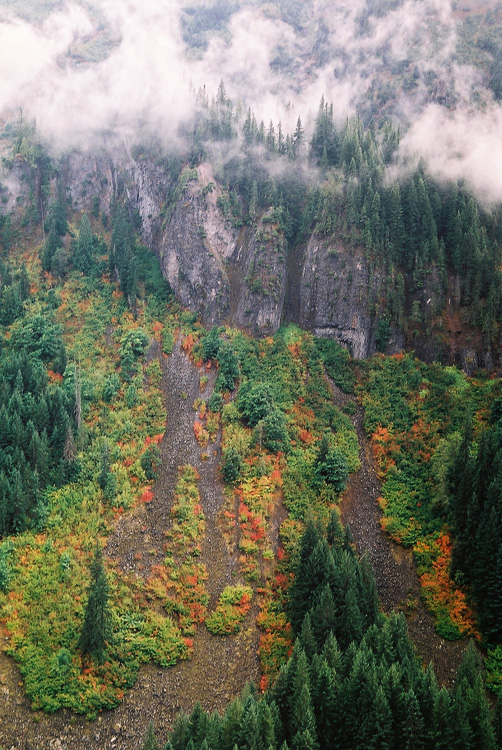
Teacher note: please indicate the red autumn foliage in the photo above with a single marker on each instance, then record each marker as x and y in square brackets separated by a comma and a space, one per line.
[439, 586]
[147, 496]
[55, 377]
[156, 439]
[200, 432]
[188, 343]
[306, 437]
[294, 350]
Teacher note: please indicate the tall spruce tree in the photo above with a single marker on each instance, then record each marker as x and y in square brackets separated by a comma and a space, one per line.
[96, 629]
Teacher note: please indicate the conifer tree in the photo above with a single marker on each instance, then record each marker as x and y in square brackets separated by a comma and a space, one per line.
[83, 251]
[197, 725]
[231, 724]
[96, 629]
[150, 742]
[307, 639]
[497, 722]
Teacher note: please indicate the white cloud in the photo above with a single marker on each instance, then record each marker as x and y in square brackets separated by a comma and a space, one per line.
[148, 76]
[465, 144]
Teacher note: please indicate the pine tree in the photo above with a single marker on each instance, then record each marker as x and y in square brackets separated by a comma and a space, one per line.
[307, 639]
[298, 138]
[83, 250]
[312, 573]
[334, 530]
[324, 616]
[442, 724]
[96, 629]
[197, 726]
[461, 482]
[266, 727]
[325, 702]
[478, 712]
[497, 722]
[332, 653]
[380, 725]
[230, 729]
[150, 742]
[412, 723]
[250, 726]
[271, 143]
[351, 625]
[179, 736]
[213, 734]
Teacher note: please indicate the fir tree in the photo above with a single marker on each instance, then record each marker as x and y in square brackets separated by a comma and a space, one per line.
[96, 631]
[150, 742]
[83, 250]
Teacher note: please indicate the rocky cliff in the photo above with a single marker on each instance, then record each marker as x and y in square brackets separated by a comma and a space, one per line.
[245, 276]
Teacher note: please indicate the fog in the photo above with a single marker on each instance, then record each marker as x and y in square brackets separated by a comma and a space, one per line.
[275, 65]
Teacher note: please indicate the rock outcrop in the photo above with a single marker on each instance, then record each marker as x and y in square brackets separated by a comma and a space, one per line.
[245, 276]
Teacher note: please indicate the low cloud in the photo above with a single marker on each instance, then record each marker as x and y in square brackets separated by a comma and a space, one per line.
[344, 52]
[460, 145]
[28, 53]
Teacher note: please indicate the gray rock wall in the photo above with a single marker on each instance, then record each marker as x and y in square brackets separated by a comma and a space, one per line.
[243, 276]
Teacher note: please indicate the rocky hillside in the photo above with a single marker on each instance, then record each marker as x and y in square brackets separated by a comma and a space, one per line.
[240, 275]
[264, 239]
[248, 276]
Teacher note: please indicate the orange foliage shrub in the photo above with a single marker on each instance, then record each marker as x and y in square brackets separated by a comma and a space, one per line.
[440, 590]
[188, 343]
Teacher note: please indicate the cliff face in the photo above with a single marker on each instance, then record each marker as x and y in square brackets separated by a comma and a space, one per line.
[226, 273]
[245, 276]
[333, 292]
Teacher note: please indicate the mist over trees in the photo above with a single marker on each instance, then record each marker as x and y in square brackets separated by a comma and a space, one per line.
[438, 78]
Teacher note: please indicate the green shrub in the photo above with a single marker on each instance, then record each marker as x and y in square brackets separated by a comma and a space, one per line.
[229, 369]
[231, 465]
[271, 432]
[167, 341]
[132, 346]
[215, 402]
[150, 462]
[111, 387]
[255, 400]
[230, 414]
[232, 607]
[211, 343]
[336, 360]
[4, 573]
[332, 468]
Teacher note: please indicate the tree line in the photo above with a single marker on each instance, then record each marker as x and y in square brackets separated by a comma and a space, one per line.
[416, 227]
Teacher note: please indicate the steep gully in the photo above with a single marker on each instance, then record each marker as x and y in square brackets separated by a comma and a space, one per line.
[220, 667]
[395, 571]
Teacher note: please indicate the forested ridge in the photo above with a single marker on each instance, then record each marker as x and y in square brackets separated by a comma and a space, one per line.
[424, 233]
